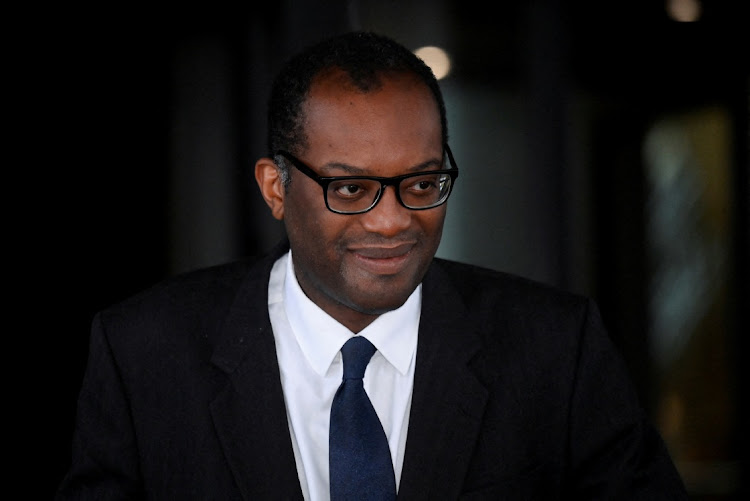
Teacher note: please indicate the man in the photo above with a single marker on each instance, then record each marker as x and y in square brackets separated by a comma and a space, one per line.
[224, 383]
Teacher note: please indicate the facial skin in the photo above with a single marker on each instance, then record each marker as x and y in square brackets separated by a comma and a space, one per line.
[356, 267]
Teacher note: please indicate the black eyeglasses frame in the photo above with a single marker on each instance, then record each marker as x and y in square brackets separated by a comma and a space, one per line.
[395, 181]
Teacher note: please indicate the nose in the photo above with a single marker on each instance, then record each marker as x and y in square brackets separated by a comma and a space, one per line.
[388, 217]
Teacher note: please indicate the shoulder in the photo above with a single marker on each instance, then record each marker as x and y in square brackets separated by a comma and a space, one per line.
[196, 289]
[184, 309]
[512, 314]
[202, 290]
[487, 290]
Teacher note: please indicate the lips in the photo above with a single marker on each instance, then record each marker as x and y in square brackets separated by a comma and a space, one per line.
[383, 260]
[387, 252]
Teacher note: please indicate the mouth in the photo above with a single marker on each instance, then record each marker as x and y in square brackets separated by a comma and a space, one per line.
[383, 260]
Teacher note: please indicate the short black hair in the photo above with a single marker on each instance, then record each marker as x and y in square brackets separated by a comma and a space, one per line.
[363, 56]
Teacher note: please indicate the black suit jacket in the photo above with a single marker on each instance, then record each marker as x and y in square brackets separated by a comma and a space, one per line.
[518, 394]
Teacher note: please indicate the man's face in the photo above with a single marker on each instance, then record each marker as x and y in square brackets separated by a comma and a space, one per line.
[357, 266]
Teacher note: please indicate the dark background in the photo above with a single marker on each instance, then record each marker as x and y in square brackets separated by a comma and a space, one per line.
[96, 104]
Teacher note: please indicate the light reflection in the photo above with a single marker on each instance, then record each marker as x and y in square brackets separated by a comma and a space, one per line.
[684, 11]
[437, 59]
[687, 160]
[686, 252]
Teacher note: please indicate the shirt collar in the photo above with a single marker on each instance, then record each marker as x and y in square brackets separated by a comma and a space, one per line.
[321, 337]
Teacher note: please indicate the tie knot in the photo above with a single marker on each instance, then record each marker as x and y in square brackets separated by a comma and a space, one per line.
[356, 353]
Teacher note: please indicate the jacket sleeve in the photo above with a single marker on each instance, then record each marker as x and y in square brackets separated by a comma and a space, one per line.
[104, 450]
[614, 450]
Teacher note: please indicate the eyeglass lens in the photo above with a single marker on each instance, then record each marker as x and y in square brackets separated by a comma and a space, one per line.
[420, 191]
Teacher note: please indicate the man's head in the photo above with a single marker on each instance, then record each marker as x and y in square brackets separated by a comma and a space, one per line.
[363, 56]
[362, 106]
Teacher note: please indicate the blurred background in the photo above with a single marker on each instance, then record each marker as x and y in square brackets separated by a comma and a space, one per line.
[603, 148]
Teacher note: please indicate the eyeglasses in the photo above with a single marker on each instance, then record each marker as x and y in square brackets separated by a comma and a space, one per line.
[358, 194]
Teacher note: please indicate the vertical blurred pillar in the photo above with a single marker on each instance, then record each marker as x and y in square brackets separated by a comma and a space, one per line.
[274, 33]
[220, 86]
[202, 210]
[547, 92]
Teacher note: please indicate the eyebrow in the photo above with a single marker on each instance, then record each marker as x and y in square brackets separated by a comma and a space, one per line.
[359, 171]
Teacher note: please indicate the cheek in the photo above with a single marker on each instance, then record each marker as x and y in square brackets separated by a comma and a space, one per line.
[432, 223]
[302, 211]
[312, 230]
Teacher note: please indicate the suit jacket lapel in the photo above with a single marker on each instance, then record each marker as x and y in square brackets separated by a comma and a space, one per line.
[249, 414]
[448, 400]
[445, 418]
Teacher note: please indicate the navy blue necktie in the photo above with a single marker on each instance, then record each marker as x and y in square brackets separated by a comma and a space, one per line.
[359, 458]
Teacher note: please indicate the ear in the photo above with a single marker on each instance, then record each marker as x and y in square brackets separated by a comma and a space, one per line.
[271, 187]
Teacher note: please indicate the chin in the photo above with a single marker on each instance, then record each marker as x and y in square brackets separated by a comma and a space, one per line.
[375, 295]
[381, 304]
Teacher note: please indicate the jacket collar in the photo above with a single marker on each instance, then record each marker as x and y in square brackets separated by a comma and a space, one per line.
[448, 400]
[447, 404]
[249, 413]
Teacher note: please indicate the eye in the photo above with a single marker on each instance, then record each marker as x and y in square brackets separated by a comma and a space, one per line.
[424, 185]
[348, 189]
[421, 184]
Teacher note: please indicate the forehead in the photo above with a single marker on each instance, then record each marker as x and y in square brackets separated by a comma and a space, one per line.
[399, 110]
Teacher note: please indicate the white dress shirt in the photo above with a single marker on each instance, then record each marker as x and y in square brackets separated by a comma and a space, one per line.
[308, 344]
